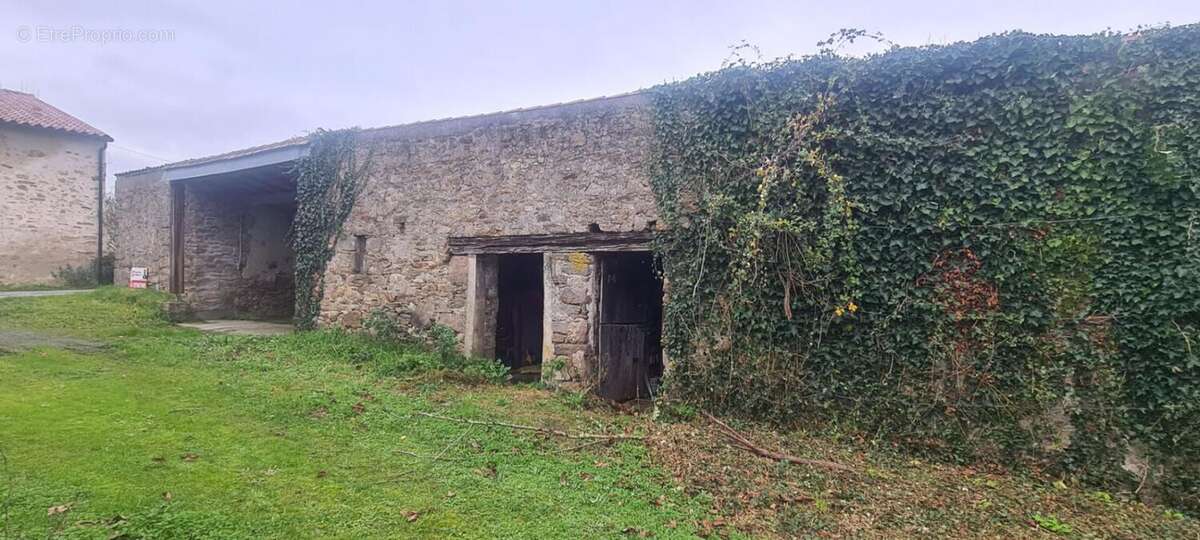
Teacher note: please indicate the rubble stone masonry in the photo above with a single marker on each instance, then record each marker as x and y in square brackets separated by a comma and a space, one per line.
[48, 191]
[557, 169]
[570, 315]
[144, 236]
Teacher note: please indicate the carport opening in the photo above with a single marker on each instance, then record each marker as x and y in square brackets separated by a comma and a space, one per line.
[241, 261]
[630, 341]
[519, 315]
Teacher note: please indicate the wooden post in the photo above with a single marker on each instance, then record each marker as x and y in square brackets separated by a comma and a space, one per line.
[178, 192]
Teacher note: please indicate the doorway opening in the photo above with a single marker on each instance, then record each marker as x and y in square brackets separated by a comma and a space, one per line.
[519, 315]
[233, 255]
[630, 352]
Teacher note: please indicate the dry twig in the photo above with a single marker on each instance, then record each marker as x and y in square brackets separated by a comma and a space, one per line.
[742, 442]
[432, 460]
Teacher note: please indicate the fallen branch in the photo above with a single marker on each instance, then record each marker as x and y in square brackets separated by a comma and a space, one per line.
[432, 461]
[545, 431]
[742, 442]
[590, 444]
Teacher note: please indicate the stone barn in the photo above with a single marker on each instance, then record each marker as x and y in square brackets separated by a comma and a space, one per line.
[527, 232]
[51, 190]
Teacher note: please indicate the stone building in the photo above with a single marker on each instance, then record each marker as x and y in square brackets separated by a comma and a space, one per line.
[527, 232]
[51, 187]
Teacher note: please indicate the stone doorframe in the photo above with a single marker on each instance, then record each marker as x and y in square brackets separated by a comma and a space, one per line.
[483, 293]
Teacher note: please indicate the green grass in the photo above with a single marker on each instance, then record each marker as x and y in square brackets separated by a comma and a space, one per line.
[170, 433]
[148, 430]
[7, 287]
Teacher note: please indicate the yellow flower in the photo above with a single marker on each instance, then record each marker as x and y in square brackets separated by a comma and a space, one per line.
[839, 311]
[852, 307]
[761, 172]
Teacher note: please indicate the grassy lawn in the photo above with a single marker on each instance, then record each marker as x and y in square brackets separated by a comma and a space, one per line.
[169, 433]
[117, 423]
[7, 287]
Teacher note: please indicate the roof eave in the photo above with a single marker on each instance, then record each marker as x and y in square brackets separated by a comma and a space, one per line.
[273, 156]
[97, 135]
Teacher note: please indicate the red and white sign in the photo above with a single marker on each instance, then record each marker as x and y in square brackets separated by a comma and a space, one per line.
[137, 278]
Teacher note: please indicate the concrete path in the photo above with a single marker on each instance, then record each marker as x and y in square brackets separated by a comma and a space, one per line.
[28, 294]
[242, 328]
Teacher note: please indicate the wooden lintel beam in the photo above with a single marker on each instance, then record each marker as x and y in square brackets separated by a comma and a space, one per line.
[551, 243]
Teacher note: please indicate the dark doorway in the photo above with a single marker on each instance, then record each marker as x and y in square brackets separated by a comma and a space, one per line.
[631, 293]
[519, 315]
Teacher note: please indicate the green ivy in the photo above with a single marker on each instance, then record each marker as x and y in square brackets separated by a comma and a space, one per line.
[328, 181]
[956, 247]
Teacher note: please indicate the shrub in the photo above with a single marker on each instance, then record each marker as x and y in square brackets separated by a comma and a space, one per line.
[84, 276]
[440, 340]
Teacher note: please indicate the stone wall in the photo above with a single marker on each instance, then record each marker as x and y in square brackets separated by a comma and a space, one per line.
[210, 253]
[570, 313]
[555, 169]
[48, 214]
[267, 286]
[144, 232]
[235, 259]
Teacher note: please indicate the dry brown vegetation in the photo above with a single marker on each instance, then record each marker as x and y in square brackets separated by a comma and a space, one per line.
[886, 494]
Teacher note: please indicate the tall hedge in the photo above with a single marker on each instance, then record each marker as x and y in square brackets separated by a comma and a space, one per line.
[989, 250]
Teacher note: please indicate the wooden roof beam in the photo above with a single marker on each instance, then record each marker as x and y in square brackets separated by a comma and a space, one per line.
[551, 243]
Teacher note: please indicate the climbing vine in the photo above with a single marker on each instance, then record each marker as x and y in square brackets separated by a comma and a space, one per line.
[328, 181]
[985, 250]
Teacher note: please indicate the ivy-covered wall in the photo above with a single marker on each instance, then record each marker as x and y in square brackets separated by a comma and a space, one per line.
[987, 250]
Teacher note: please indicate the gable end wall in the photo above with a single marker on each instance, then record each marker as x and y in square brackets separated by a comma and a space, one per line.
[48, 191]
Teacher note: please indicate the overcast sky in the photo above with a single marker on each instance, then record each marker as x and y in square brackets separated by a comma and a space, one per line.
[184, 80]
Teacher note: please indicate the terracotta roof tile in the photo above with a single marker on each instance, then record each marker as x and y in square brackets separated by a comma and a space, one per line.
[27, 110]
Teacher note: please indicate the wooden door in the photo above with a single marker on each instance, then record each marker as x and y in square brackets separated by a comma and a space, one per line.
[630, 307]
